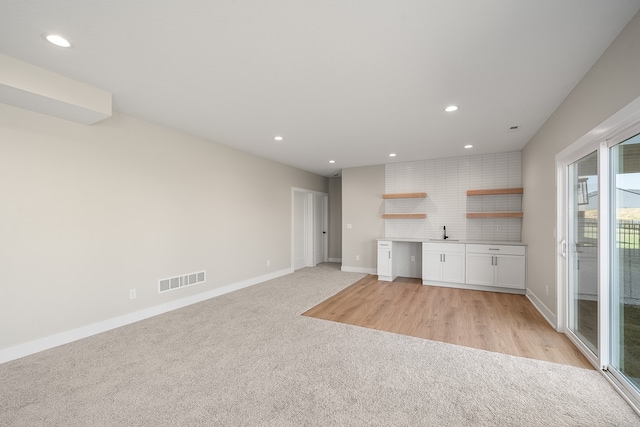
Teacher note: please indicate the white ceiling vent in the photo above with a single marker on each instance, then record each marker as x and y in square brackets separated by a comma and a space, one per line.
[513, 128]
[172, 283]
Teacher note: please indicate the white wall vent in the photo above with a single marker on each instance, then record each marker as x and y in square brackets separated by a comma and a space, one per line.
[171, 283]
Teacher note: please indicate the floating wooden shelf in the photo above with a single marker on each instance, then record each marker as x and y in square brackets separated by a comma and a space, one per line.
[494, 214]
[404, 196]
[398, 216]
[495, 191]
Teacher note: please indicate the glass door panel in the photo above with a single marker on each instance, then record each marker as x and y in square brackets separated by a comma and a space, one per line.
[583, 250]
[625, 260]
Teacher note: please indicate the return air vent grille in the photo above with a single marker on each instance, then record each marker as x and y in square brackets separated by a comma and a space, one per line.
[171, 283]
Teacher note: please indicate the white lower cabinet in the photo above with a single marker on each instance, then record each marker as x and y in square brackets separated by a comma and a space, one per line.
[496, 265]
[443, 262]
[385, 260]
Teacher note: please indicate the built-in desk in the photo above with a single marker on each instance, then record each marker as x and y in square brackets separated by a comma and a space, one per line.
[469, 264]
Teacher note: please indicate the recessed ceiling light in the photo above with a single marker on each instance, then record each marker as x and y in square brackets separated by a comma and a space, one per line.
[332, 161]
[468, 146]
[451, 108]
[392, 155]
[278, 138]
[58, 40]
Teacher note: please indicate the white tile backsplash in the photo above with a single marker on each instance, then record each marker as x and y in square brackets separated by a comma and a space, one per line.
[446, 182]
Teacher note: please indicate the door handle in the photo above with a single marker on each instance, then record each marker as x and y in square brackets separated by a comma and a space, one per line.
[563, 248]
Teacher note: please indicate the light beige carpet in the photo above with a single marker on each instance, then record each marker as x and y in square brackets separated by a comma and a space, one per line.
[249, 359]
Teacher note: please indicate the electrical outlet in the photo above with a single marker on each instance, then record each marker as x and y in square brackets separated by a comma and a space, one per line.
[268, 263]
[499, 227]
[349, 226]
[132, 294]
[413, 258]
[357, 257]
[547, 289]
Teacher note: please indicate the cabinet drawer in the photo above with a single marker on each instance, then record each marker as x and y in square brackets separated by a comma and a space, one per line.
[384, 244]
[443, 247]
[497, 249]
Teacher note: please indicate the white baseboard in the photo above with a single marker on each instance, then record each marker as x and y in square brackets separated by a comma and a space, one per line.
[359, 270]
[335, 260]
[474, 287]
[66, 337]
[543, 309]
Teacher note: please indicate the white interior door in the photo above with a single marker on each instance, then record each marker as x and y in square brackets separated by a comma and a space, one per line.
[300, 230]
[310, 228]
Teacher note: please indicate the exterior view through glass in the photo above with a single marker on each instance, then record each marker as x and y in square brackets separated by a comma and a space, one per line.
[583, 250]
[625, 260]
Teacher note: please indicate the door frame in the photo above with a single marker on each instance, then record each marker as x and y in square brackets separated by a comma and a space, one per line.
[312, 220]
[595, 140]
[598, 146]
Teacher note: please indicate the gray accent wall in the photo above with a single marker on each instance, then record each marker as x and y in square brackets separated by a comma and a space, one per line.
[612, 83]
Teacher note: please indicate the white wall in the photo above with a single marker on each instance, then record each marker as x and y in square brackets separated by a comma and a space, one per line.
[446, 182]
[611, 84]
[89, 212]
[362, 208]
[335, 219]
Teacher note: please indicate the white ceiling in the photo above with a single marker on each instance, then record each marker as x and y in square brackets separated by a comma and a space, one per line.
[348, 80]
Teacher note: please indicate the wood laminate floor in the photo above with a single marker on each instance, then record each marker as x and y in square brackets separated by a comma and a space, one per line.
[499, 322]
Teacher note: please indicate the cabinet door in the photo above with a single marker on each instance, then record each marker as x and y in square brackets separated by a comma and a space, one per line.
[384, 262]
[431, 266]
[510, 271]
[480, 269]
[453, 267]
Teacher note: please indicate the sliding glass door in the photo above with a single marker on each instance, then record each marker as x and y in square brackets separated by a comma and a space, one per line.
[583, 251]
[625, 261]
[598, 256]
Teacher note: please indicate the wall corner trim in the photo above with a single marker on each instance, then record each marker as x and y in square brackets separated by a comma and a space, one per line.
[46, 343]
[543, 309]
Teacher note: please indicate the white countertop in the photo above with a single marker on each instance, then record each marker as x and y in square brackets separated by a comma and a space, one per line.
[476, 242]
